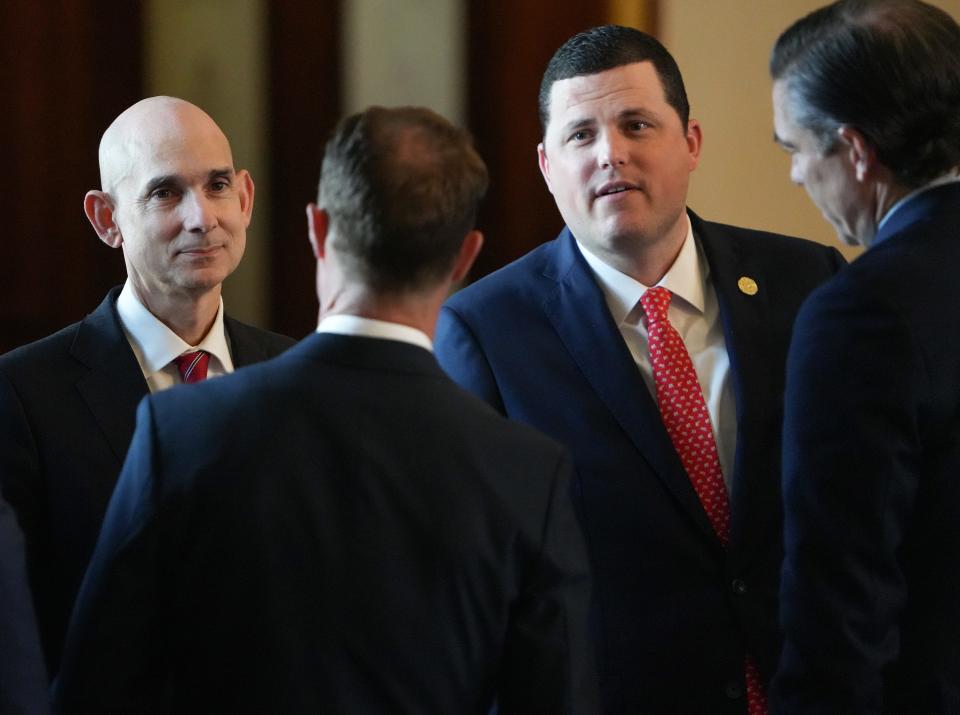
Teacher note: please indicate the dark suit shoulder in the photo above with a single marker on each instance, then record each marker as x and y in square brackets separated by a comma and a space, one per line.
[767, 243]
[250, 344]
[32, 357]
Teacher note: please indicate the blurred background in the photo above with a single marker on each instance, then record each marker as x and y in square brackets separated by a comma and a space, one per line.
[277, 74]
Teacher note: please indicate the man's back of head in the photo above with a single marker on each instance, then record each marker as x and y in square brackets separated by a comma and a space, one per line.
[401, 187]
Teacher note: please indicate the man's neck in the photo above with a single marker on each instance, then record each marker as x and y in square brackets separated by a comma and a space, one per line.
[416, 310]
[189, 315]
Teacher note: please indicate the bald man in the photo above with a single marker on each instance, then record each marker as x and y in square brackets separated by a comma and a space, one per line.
[173, 203]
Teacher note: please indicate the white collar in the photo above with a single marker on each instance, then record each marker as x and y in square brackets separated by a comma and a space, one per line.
[371, 328]
[155, 345]
[685, 279]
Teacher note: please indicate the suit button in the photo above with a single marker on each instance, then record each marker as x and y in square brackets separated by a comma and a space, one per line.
[738, 586]
[733, 689]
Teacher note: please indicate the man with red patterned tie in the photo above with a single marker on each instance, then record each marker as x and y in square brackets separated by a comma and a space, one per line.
[652, 344]
[173, 202]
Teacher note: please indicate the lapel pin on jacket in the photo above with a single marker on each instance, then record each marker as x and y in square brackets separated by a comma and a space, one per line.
[747, 285]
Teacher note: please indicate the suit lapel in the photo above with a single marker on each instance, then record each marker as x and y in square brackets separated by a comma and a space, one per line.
[244, 348]
[744, 316]
[114, 384]
[580, 316]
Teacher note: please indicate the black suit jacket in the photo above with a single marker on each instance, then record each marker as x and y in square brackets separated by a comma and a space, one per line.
[23, 678]
[674, 613]
[67, 409]
[871, 580]
[340, 530]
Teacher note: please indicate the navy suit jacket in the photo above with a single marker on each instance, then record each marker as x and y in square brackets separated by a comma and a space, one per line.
[674, 613]
[67, 409]
[871, 579]
[23, 678]
[342, 530]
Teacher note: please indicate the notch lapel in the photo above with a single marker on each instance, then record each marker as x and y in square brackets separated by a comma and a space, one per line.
[744, 317]
[114, 384]
[580, 316]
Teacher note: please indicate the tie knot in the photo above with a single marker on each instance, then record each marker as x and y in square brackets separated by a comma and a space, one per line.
[655, 302]
[193, 365]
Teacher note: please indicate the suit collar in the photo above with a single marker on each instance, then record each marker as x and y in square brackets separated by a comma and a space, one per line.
[920, 208]
[366, 353]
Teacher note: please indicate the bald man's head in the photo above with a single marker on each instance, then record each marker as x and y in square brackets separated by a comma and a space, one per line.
[171, 199]
[145, 125]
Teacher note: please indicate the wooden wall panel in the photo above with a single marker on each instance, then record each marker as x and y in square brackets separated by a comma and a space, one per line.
[304, 105]
[67, 68]
[510, 42]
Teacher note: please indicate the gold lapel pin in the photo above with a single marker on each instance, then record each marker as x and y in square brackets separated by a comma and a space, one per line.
[747, 285]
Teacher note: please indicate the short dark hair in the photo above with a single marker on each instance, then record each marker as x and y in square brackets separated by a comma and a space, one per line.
[889, 69]
[605, 48]
[401, 187]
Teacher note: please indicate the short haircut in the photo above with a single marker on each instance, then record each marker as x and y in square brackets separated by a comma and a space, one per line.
[605, 48]
[889, 69]
[401, 187]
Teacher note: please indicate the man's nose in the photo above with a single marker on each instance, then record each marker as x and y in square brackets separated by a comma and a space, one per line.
[199, 215]
[613, 149]
[796, 173]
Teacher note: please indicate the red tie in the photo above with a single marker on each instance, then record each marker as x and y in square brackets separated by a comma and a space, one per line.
[193, 366]
[685, 416]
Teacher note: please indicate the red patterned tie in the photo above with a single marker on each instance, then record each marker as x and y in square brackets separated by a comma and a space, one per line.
[685, 416]
[193, 366]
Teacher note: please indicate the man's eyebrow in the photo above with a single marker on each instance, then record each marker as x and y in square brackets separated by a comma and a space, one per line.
[777, 139]
[227, 172]
[575, 124]
[159, 181]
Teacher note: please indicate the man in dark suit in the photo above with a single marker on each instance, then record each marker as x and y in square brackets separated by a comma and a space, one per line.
[23, 678]
[173, 202]
[867, 101]
[685, 576]
[343, 529]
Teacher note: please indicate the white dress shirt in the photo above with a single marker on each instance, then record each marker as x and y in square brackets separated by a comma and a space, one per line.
[155, 345]
[695, 314]
[370, 328]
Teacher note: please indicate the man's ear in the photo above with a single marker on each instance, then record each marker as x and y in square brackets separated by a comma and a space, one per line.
[694, 142]
[318, 225]
[860, 153]
[99, 208]
[544, 164]
[245, 184]
[468, 254]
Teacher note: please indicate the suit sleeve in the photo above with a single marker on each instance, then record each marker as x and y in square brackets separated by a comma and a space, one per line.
[548, 664]
[113, 644]
[23, 678]
[851, 461]
[460, 355]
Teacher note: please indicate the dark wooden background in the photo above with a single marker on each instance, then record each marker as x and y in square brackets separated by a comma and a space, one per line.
[70, 66]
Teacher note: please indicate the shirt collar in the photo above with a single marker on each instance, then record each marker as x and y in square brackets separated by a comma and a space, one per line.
[684, 279]
[155, 345]
[948, 178]
[371, 328]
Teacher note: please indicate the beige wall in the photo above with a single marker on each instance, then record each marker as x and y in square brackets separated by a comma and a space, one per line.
[186, 56]
[722, 47]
